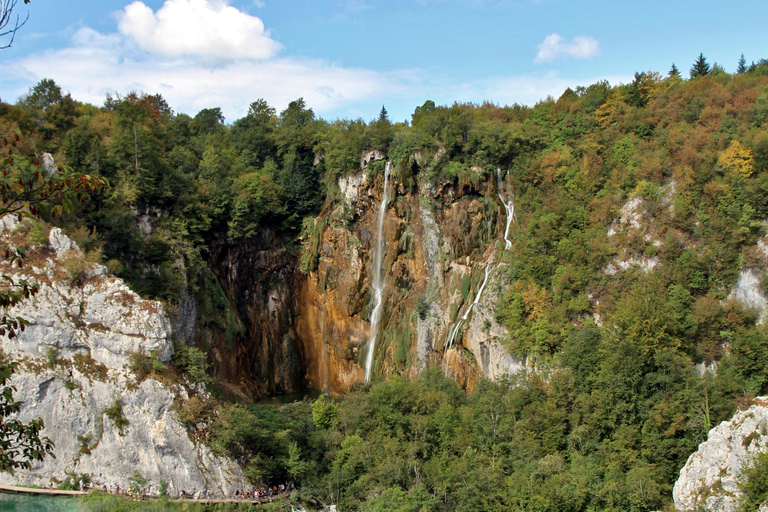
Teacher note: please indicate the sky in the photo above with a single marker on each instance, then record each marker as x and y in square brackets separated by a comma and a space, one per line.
[348, 58]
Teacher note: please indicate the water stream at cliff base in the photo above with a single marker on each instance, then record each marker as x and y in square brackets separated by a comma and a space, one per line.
[377, 278]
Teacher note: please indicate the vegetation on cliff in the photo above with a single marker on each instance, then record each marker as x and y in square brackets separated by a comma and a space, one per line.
[637, 207]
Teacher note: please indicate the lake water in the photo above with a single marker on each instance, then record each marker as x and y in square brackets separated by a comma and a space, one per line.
[30, 503]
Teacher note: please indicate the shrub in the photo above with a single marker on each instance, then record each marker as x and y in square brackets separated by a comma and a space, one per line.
[115, 413]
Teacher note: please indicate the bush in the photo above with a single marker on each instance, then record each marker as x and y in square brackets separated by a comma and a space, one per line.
[115, 413]
[422, 307]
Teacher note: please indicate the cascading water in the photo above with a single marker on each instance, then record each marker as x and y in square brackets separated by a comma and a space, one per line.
[377, 278]
[455, 330]
[509, 206]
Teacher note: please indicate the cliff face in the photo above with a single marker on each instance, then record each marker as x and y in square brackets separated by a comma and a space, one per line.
[709, 480]
[259, 281]
[306, 313]
[76, 374]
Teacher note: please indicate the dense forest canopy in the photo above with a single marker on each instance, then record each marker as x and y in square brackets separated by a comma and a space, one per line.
[616, 404]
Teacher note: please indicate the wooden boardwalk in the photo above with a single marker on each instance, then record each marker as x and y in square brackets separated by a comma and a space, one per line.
[31, 490]
[204, 501]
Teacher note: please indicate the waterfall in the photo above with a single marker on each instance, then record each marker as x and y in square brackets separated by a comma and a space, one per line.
[464, 317]
[377, 278]
[509, 206]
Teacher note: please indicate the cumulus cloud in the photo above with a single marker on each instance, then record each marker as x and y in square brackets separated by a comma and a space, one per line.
[96, 65]
[555, 47]
[209, 29]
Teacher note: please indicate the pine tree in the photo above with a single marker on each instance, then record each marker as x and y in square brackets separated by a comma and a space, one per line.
[383, 115]
[674, 72]
[742, 66]
[700, 67]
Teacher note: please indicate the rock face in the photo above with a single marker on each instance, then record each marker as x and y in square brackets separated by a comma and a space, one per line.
[303, 313]
[438, 240]
[75, 373]
[709, 480]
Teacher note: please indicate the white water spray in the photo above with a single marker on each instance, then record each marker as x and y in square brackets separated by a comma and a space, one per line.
[460, 322]
[377, 279]
[509, 206]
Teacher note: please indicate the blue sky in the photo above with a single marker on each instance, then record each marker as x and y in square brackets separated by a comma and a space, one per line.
[348, 57]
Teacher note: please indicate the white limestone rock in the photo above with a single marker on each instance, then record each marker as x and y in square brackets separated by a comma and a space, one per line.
[483, 334]
[93, 326]
[709, 480]
[60, 242]
[747, 291]
[372, 155]
[350, 186]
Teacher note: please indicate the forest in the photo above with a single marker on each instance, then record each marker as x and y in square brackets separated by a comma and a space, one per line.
[628, 370]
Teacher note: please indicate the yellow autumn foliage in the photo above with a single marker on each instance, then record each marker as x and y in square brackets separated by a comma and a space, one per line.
[736, 158]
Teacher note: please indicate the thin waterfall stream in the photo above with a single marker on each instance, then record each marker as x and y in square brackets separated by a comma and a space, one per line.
[509, 206]
[377, 278]
[455, 330]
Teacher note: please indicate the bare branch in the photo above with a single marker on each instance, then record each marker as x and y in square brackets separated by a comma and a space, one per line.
[6, 19]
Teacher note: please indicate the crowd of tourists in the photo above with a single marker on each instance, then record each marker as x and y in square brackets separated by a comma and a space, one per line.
[265, 492]
[262, 494]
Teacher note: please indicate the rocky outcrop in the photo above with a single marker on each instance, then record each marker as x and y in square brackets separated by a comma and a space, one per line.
[709, 480]
[86, 331]
[748, 291]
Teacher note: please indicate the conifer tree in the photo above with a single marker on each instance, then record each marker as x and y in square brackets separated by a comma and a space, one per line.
[700, 67]
[383, 115]
[674, 72]
[742, 66]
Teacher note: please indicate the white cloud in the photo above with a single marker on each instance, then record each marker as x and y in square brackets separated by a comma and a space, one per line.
[95, 65]
[209, 29]
[189, 78]
[555, 47]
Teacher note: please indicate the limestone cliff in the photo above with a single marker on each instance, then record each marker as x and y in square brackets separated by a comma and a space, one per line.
[709, 480]
[438, 240]
[305, 314]
[75, 373]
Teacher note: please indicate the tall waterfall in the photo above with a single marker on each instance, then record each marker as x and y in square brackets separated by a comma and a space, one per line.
[460, 322]
[509, 206]
[377, 278]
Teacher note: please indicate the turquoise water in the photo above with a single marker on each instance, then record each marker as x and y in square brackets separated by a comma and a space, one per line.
[30, 503]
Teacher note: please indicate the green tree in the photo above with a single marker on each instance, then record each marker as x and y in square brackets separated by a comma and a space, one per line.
[741, 67]
[383, 115]
[700, 68]
[297, 175]
[674, 72]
